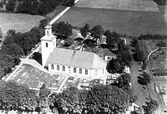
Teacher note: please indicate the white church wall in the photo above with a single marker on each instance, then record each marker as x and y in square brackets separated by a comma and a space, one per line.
[70, 71]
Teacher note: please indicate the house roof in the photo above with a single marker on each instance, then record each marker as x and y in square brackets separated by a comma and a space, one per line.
[48, 37]
[73, 58]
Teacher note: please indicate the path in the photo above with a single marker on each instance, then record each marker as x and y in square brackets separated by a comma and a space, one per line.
[138, 89]
[148, 57]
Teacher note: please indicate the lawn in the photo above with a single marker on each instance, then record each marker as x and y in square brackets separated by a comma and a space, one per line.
[135, 5]
[19, 22]
[132, 23]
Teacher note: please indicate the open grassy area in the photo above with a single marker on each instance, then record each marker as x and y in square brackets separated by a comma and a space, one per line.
[132, 23]
[19, 22]
[135, 5]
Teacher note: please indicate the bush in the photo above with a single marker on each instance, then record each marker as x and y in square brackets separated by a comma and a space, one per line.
[161, 44]
[151, 107]
[144, 79]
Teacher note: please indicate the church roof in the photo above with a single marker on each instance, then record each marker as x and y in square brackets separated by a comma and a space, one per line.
[73, 58]
[48, 37]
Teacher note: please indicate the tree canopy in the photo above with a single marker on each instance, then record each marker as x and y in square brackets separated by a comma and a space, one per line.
[98, 99]
[97, 31]
[62, 29]
[36, 7]
[85, 29]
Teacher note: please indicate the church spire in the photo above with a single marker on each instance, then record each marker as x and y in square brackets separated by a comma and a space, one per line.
[48, 30]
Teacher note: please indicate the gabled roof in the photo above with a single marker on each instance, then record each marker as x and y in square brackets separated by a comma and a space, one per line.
[73, 58]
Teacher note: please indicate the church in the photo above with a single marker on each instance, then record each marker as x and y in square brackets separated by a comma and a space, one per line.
[74, 63]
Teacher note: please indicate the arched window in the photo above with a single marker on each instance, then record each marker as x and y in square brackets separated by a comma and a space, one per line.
[74, 70]
[86, 71]
[46, 44]
[80, 70]
[52, 66]
[58, 67]
[96, 72]
[63, 68]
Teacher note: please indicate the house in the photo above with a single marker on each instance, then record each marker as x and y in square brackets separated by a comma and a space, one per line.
[68, 62]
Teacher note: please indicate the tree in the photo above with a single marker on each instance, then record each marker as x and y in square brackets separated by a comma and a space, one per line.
[123, 55]
[8, 40]
[68, 101]
[151, 107]
[112, 38]
[43, 98]
[6, 62]
[43, 23]
[69, 3]
[13, 49]
[138, 55]
[97, 32]
[84, 30]
[10, 5]
[161, 44]
[134, 42]
[114, 66]
[16, 97]
[144, 79]
[62, 29]
[11, 32]
[106, 98]
[26, 98]
[123, 82]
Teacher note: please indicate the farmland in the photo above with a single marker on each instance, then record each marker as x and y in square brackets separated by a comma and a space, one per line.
[132, 23]
[19, 22]
[134, 5]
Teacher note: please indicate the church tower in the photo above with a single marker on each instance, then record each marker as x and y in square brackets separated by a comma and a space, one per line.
[48, 43]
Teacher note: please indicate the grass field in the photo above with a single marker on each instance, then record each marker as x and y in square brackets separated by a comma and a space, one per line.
[19, 22]
[132, 23]
[135, 5]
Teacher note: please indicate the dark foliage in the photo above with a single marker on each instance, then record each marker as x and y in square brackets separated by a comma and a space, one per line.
[62, 29]
[84, 30]
[123, 55]
[144, 79]
[161, 44]
[36, 7]
[151, 107]
[160, 2]
[96, 32]
[152, 37]
[112, 38]
[114, 66]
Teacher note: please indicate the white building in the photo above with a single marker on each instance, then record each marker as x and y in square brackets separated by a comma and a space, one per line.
[68, 62]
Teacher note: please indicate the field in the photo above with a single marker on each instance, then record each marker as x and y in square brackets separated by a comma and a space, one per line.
[132, 23]
[19, 22]
[135, 5]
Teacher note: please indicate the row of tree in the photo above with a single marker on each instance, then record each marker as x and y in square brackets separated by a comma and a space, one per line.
[99, 99]
[36, 7]
[138, 54]
[152, 37]
[160, 2]
[19, 97]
